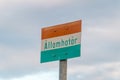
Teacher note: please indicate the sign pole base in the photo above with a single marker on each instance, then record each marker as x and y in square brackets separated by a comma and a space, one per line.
[63, 70]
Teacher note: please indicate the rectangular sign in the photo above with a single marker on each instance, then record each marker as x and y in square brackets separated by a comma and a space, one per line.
[61, 42]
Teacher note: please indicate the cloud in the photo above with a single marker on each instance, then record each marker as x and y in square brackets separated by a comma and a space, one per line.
[43, 76]
[100, 40]
[37, 3]
[96, 40]
[49, 75]
[17, 58]
[104, 71]
[17, 62]
[20, 25]
[106, 29]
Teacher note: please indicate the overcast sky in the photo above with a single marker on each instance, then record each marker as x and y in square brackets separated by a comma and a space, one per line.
[20, 25]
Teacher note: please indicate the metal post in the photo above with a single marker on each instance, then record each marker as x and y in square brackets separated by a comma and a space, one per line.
[63, 70]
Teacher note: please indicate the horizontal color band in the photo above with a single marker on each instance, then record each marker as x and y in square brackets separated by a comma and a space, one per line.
[60, 42]
[59, 54]
[62, 29]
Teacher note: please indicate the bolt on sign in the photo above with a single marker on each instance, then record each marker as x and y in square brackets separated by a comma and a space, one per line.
[61, 41]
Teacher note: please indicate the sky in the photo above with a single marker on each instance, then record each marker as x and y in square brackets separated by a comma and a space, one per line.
[20, 30]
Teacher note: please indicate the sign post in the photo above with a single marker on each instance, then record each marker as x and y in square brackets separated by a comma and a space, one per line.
[63, 70]
[61, 42]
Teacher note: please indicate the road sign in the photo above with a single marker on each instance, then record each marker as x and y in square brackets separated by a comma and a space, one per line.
[61, 42]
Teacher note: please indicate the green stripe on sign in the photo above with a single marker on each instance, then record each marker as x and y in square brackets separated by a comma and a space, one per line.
[61, 53]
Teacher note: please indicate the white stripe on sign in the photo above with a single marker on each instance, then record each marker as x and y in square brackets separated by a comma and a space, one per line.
[61, 41]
